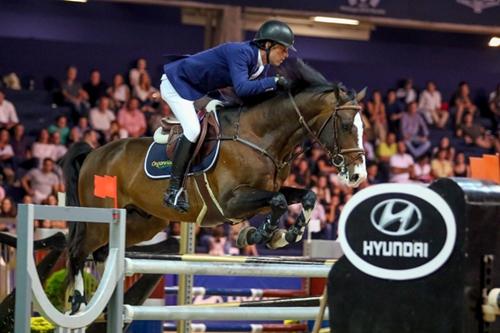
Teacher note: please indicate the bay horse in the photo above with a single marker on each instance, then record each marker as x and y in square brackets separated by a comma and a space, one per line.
[246, 179]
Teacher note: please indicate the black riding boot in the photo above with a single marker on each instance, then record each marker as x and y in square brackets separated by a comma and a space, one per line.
[174, 196]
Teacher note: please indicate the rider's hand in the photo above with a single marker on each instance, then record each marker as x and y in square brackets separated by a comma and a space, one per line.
[282, 83]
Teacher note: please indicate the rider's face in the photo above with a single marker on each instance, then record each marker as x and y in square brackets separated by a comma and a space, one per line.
[278, 54]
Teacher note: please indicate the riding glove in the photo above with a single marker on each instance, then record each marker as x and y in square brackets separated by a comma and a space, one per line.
[282, 83]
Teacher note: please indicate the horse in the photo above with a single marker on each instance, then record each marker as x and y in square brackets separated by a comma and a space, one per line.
[258, 144]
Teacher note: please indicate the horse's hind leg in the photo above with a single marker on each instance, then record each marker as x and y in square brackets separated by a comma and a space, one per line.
[87, 238]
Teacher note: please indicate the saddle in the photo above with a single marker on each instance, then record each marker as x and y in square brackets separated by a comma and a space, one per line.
[207, 140]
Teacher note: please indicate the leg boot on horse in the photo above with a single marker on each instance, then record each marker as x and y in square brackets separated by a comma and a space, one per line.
[174, 196]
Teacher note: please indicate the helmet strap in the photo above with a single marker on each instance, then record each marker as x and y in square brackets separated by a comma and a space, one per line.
[268, 51]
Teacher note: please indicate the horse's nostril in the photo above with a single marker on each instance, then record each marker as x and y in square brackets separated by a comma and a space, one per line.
[354, 177]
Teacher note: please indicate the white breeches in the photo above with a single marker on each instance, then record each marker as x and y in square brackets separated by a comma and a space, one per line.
[183, 109]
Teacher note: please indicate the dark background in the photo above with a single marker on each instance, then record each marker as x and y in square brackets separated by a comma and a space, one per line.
[40, 38]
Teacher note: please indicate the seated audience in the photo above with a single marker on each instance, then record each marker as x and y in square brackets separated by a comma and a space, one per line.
[401, 165]
[95, 87]
[8, 114]
[118, 92]
[132, 119]
[414, 131]
[40, 183]
[429, 105]
[463, 103]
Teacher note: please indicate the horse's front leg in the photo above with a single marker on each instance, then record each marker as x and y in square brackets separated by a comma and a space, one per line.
[250, 199]
[308, 199]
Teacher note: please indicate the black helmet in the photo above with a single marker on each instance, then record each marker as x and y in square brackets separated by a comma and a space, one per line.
[275, 31]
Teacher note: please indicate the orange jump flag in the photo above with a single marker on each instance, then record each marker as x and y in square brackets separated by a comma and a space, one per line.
[492, 167]
[105, 187]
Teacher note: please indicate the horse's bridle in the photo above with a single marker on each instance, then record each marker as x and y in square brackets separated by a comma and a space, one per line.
[337, 155]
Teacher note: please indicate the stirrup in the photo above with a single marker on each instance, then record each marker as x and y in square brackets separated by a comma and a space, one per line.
[176, 199]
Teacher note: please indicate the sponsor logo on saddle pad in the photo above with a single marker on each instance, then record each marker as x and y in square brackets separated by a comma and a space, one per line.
[397, 232]
[161, 164]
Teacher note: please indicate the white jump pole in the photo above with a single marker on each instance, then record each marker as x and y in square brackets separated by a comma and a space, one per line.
[190, 312]
[151, 266]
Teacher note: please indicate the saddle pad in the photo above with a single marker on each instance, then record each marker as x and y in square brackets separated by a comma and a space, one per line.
[158, 165]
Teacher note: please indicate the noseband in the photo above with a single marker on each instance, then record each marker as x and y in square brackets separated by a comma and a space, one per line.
[337, 154]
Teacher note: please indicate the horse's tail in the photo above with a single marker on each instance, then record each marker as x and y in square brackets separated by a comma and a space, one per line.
[71, 165]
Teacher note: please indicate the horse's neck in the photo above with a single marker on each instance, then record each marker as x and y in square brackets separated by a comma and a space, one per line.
[275, 124]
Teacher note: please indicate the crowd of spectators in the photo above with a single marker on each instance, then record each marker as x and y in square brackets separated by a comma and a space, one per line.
[398, 140]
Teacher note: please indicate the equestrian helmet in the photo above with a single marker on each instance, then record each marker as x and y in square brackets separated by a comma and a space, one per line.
[275, 31]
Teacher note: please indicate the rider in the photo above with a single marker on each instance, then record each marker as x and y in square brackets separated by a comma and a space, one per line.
[237, 65]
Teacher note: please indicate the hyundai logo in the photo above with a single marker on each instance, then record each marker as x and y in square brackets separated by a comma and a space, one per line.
[396, 217]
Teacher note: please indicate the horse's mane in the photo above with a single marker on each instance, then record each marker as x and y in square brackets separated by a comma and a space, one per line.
[302, 77]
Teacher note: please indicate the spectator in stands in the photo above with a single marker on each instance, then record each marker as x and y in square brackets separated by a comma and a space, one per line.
[132, 119]
[385, 150]
[119, 92]
[441, 166]
[494, 108]
[21, 146]
[460, 167]
[59, 149]
[146, 93]
[6, 156]
[401, 165]
[95, 87]
[218, 244]
[463, 103]
[414, 131]
[90, 136]
[395, 110]
[303, 174]
[407, 93]
[40, 183]
[61, 126]
[73, 93]
[135, 73]
[322, 190]
[429, 105]
[75, 135]
[445, 143]
[43, 148]
[82, 125]
[373, 175]
[116, 132]
[8, 209]
[319, 213]
[422, 170]
[56, 224]
[377, 116]
[475, 134]
[8, 114]
[100, 117]
[368, 148]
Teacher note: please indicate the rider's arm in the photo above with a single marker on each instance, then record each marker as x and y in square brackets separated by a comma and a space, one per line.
[238, 67]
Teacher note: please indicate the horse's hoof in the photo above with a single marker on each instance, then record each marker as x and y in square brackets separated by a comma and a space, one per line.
[78, 303]
[278, 239]
[245, 236]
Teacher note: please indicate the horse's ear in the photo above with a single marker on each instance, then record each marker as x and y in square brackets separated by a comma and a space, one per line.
[361, 95]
